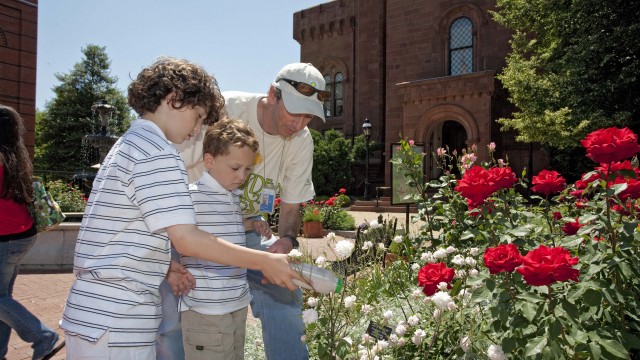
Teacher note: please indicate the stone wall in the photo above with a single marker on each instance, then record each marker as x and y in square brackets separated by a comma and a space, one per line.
[53, 250]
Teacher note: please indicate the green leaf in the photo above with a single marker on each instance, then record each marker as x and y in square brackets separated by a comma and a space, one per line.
[595, 351]
[631, 341]
[592, 297]
[595, 268]
[571, 309]
[528, 310]
[521, 231]
[535, 346]
[531, 297]
[555, 329]
[508, 344]
[614, 348]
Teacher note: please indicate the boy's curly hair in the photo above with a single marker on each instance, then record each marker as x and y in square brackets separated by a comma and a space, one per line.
[226, 133]
[192, 85]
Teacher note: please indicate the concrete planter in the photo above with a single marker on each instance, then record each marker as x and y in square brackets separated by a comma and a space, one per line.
[53, 250]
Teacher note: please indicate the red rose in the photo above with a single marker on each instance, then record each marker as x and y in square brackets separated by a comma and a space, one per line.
[502, 258]
[633, 188]
[433, 274]
[343, 191]
[503, 177]
[544, 266]
[572, 227]
[557, 215]
[612, 144]
[476, 185]
[614, 167]
[548, 182]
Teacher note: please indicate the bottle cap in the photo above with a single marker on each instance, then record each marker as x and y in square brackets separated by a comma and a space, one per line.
[339, 286]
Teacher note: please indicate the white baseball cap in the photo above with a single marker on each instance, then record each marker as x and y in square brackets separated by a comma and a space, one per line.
[296, 102]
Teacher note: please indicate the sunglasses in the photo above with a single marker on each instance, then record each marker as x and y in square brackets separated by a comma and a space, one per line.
[306, 89]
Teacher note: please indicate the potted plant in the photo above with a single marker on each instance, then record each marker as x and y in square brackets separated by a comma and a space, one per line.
[312, 221]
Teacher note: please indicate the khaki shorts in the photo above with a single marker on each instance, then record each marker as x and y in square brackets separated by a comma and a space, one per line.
[215, 337]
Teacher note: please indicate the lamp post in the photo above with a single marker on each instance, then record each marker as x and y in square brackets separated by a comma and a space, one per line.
[366, 130]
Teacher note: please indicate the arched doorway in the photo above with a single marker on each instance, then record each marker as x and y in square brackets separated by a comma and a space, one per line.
[448, 134]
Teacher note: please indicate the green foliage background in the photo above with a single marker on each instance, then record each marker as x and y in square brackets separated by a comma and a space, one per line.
[67, 118]
[573, 68]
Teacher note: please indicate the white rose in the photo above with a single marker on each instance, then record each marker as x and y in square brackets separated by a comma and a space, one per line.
[344, 248]
[295, 253]
[349, 301]
[401, 330]
[440, 254]
[321, 260]
[418, 336]
[387, 314]
[465, 343]
[309, 316]
[312, 302]
[413, 320]
[366, 308]
[441, 299]
[495, 353]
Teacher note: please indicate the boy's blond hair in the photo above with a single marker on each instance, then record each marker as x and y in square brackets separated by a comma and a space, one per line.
[226, 133]
[192, 86]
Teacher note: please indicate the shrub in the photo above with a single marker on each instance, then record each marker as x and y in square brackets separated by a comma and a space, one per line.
[332, 161]
[338, 219]
[68, 196]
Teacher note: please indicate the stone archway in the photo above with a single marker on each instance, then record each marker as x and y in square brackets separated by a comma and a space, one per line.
[442, 126]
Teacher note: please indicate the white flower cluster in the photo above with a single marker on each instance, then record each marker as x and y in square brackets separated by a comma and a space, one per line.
[309, 316]
[495, 352]
[344, 248]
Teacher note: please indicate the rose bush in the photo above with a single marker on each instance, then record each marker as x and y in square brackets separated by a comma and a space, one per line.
[491, 274]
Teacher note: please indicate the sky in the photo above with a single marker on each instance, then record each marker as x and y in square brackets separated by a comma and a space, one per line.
[243, 43]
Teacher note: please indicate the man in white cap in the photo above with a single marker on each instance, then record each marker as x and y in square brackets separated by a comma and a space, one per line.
[279, 119]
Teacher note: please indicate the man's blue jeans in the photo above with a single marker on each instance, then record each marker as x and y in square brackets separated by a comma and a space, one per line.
[12, 314]
[169, 344]
[279, 311]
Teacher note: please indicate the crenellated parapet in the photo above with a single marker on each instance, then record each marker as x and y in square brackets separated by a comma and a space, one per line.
[323, 21]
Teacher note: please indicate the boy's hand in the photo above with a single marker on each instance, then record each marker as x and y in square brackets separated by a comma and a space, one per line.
[276, 270]
[180, 279]
[262, 227]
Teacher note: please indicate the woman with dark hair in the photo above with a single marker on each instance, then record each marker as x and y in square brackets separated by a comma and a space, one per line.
[17, 236]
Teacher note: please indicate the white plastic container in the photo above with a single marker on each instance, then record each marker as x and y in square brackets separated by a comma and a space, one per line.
[318, 279]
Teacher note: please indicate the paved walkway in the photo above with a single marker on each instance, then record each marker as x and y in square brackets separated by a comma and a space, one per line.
[45, 294]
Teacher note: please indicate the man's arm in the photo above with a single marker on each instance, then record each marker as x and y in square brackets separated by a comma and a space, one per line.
[288, 228]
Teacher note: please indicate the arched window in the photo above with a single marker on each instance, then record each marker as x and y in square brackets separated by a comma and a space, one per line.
[461, 46]
[327, 103]
[334, 106]
[338, 94]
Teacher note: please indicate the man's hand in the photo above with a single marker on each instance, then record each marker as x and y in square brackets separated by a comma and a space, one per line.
[262, 228]
[180, 279]
[281, 246]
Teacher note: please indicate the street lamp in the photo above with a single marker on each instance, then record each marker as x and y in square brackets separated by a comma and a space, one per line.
[366, 130]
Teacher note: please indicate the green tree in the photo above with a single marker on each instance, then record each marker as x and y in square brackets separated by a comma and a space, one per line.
[332, 162]
[66, 119]
[573, 68]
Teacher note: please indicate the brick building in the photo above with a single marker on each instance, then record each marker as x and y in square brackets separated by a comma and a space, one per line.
[423, 70]
[18, 47]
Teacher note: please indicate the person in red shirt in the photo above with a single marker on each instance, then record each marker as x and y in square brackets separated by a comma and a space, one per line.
[17, 235]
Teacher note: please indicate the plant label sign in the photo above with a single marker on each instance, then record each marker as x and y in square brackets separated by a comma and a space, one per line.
[378, 331]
